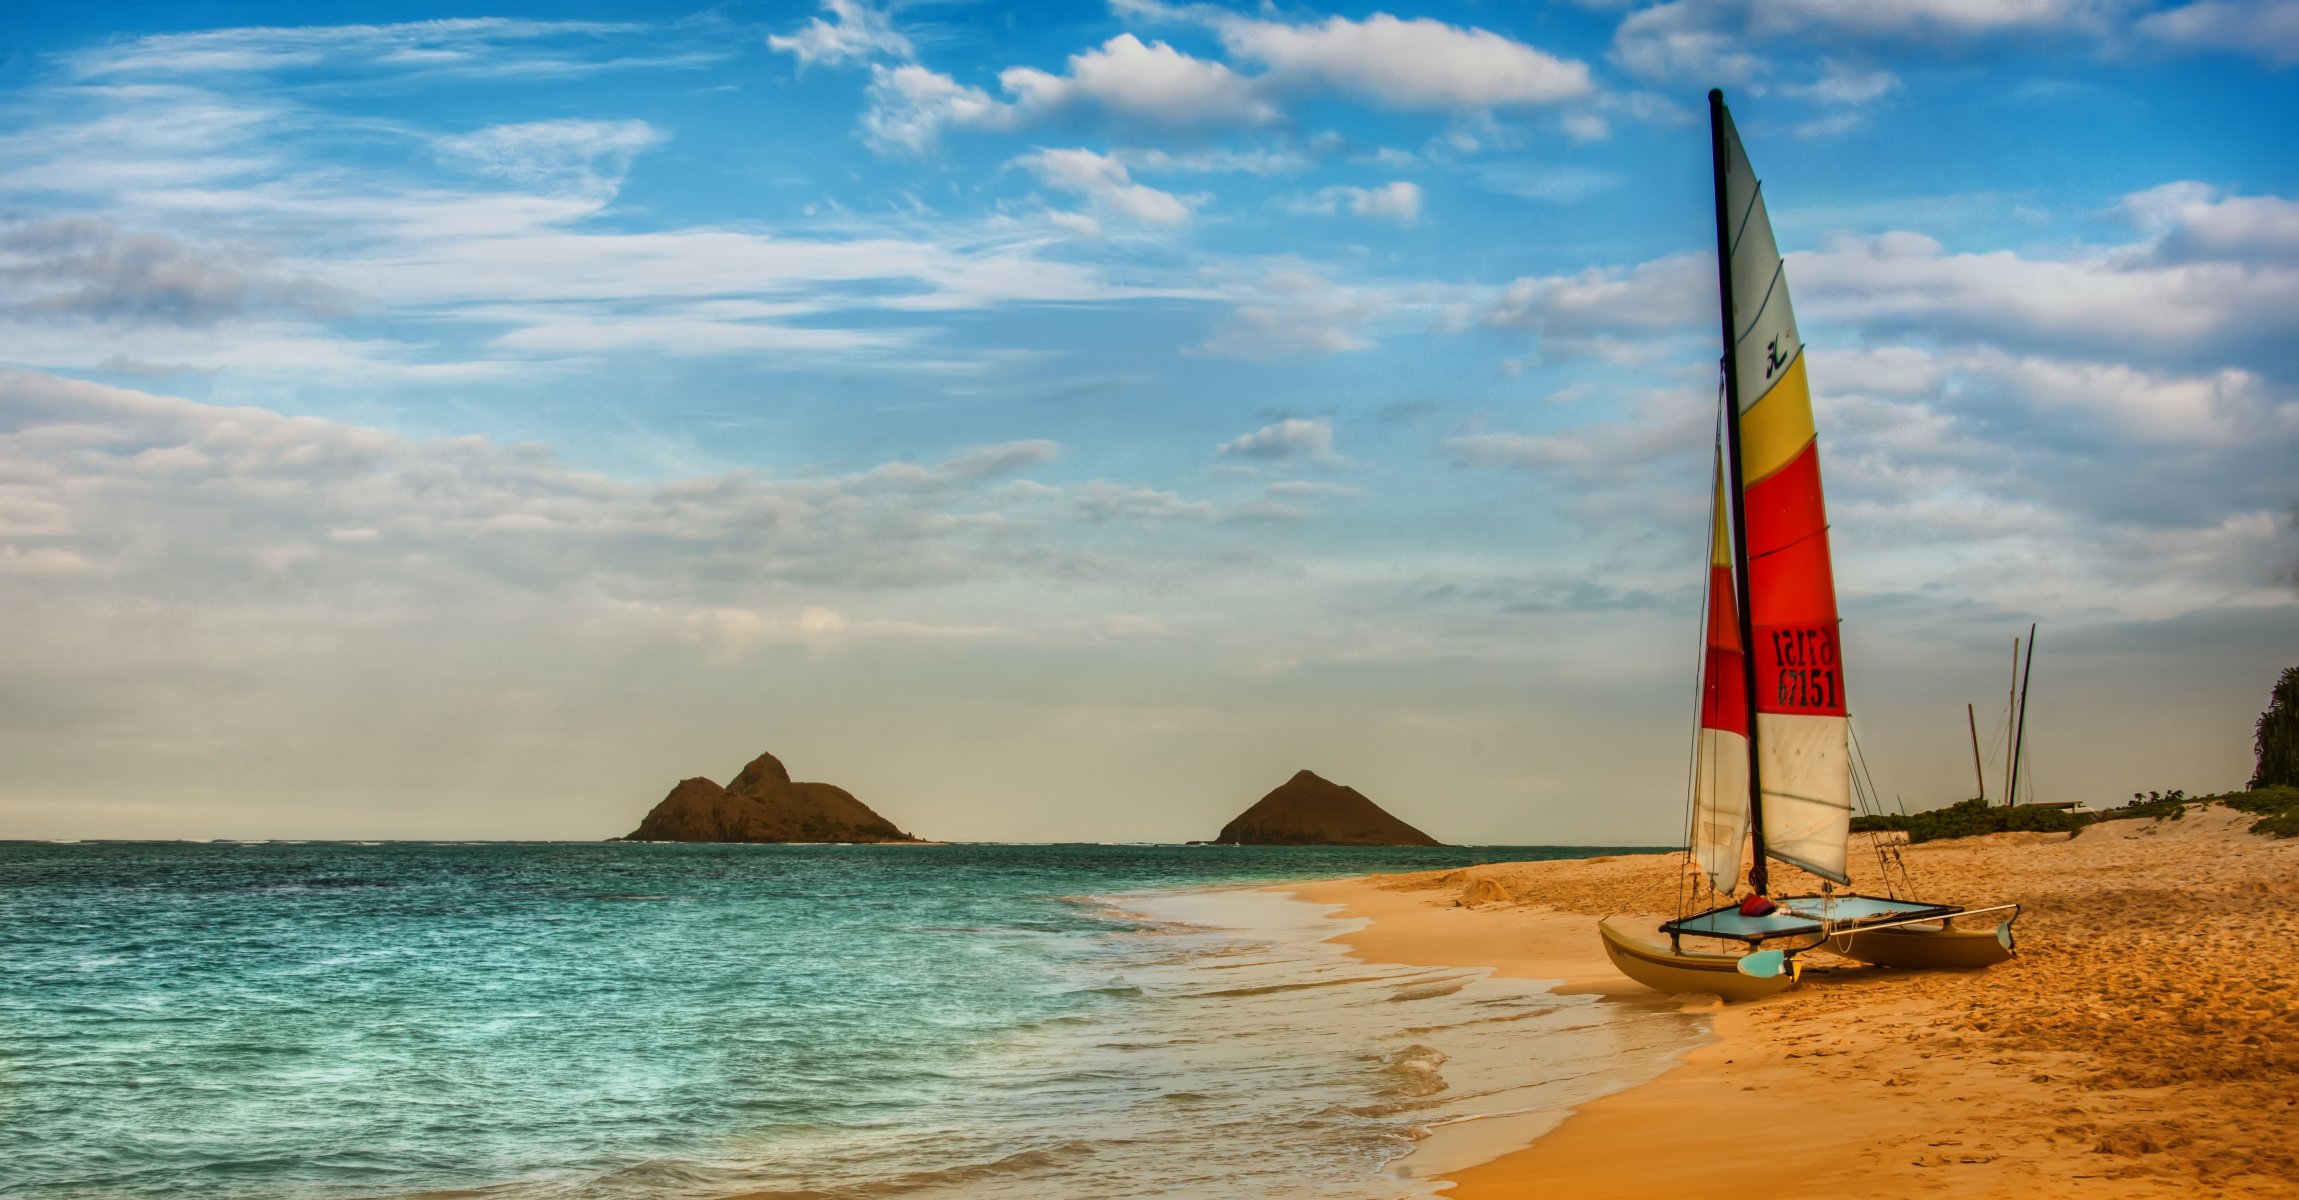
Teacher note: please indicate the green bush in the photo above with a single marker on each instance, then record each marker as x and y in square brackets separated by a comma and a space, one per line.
[2276, 807]
[1970, 818]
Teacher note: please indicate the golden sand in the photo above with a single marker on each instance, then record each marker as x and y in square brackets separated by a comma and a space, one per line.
[2143, 1043]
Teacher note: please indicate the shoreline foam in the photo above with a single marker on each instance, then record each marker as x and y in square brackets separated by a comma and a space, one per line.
[2139, 1046]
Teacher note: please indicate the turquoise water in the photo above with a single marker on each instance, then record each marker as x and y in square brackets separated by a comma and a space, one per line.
[338, 1020]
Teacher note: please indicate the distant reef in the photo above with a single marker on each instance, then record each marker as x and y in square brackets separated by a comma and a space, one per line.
[1310, 810]
[763, 805]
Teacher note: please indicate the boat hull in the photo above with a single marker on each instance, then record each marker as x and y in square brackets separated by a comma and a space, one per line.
[1662, 969]
[1921, 947]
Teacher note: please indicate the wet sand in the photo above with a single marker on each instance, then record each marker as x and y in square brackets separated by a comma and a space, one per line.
[2144, 1042]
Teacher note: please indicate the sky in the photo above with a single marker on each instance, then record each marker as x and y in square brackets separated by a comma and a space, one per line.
[1065, 421]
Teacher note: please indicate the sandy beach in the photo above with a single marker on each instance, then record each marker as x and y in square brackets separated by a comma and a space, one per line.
[2143, 1043]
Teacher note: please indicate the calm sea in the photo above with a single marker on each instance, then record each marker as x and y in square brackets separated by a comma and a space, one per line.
[323, 1020]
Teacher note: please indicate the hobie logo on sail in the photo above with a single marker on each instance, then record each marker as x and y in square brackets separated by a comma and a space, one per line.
[1773, 358]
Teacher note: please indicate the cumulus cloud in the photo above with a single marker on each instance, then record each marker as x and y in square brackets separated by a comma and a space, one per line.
[910, 106]
[2087, 303]
[1102, 502]
[1105, 181]
[1406, 64]
[855, 32]
[981, 462]
[1298, 312]
[1399, 201]
[1125, 79]
[1151, 83]
[1595, 309]
[1735, 41]
[2266, 28]
[1419, 64]
[2195, 222]
[1291, 438]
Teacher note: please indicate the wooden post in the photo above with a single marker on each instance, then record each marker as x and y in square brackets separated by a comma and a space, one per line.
[1972, 719]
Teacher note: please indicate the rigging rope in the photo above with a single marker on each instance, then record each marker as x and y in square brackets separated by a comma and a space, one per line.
[1685, 875]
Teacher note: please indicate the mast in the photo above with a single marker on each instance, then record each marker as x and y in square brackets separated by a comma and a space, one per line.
[2011, 719]
[2020, 729]
[1759, 879]
[1972, 719]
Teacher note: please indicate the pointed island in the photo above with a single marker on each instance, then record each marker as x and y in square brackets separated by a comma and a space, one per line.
[1310, 810]
[763, 805]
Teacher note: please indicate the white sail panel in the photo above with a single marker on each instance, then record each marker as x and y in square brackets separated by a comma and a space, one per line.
[1720, 807]
[1764, 331]
[1807, 790]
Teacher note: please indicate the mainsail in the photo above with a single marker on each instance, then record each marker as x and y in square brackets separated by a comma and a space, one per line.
[1801, 761]
[1720, 759]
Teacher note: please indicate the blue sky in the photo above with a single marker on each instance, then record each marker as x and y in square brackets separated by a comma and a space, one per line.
[1066, 420]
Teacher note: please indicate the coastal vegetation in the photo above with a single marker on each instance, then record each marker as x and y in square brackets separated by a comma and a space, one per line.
[2277, 810]
[1970, 818]
[2272, 798]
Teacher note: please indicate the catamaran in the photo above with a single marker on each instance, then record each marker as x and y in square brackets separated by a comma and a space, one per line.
[1774, 725]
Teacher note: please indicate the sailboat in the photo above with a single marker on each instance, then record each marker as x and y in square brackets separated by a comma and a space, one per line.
[1774, 727]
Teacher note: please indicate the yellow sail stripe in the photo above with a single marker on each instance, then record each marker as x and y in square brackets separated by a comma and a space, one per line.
[1777, 426]
[1720, 541]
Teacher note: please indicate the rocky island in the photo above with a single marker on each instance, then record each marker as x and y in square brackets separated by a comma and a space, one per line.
[1310, 810]
[763, 805]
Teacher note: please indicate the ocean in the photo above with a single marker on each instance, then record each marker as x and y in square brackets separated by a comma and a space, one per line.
[289, 1021]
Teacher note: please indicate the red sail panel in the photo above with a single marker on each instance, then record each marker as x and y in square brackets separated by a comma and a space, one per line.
[1720, 767]
[1723, 676]
[1792, 606]
[1723, 682]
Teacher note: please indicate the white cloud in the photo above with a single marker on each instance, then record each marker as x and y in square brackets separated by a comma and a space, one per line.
[1102, 502]
[1296, 311]
[1407, 64]
[2267, 28]
[79, 268]
[496, 47]
[507, 257]
[1525, 451]
[1417, 64]
[1105, 181]
[1399, 201]
[1291, 438]
[981, 462]
[855, 32]
[2197, 222]
[2090, 302]
[168, 496]
[1684, 39]
[1592, 309]
[1740, 41]
[574, 154]
[1847, 84]
[910, 106]
[1256, 161]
